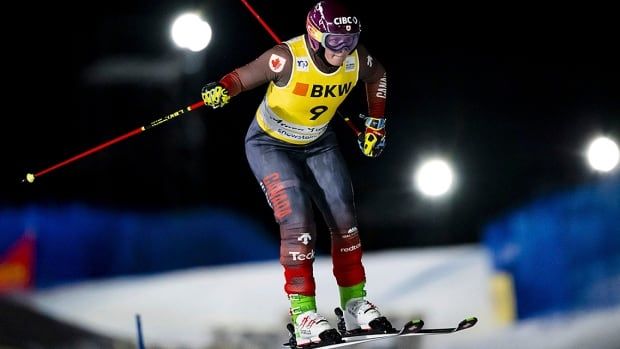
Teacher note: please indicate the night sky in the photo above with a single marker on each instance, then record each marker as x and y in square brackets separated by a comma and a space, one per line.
[511, 95]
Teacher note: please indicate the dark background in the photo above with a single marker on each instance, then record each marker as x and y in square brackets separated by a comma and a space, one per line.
[511, 94]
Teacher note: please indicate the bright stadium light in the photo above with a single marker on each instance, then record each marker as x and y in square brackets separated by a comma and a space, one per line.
[191, 32]
[434, 177]
[603, 154]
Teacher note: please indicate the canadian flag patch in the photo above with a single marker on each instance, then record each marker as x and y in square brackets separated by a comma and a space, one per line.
[276, 63]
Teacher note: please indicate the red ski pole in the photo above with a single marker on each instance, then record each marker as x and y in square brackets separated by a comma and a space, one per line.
[275, 37]
[30, 177]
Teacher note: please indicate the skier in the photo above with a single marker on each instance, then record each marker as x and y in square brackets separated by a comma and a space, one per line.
[293, 152]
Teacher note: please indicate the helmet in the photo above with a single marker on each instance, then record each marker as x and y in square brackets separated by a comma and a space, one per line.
[331, 25]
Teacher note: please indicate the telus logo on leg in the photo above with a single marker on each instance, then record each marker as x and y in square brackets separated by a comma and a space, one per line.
[298, 256]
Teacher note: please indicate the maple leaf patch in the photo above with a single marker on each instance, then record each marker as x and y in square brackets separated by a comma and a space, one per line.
[276, 63]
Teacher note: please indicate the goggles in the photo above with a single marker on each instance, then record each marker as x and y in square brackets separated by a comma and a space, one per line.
[332, 41]
[340, 42]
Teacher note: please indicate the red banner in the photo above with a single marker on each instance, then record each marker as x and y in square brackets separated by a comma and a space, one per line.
[17, 265]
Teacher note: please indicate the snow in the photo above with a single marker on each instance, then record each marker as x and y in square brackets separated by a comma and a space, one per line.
[244, 305]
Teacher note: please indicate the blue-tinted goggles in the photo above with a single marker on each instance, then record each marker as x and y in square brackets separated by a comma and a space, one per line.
[340, 42]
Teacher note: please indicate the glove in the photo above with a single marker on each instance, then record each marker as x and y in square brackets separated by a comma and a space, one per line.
[215, 95]
[372, 141]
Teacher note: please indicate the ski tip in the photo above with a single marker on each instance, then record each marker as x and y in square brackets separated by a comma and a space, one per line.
[467, 323]
[417, 322]
[413, 326]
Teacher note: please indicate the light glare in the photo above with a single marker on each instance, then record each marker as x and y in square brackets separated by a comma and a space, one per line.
[434, 178]
[191, 32]
[603, 154]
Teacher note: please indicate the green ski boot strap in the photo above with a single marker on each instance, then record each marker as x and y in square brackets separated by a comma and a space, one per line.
[350, 292]
[301, 304]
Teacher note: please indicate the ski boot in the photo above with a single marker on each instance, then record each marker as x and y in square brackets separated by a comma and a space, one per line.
[362, 317]
[312, 330]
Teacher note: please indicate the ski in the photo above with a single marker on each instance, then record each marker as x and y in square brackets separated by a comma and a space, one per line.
[381, 329]
[463, 325]
[348, 338]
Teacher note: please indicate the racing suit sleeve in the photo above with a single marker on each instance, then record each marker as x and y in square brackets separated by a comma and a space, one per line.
[273, 65]
[373, 74]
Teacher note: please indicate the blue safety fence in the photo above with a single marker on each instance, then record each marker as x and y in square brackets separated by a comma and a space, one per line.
[563, 251]
[77, 242]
